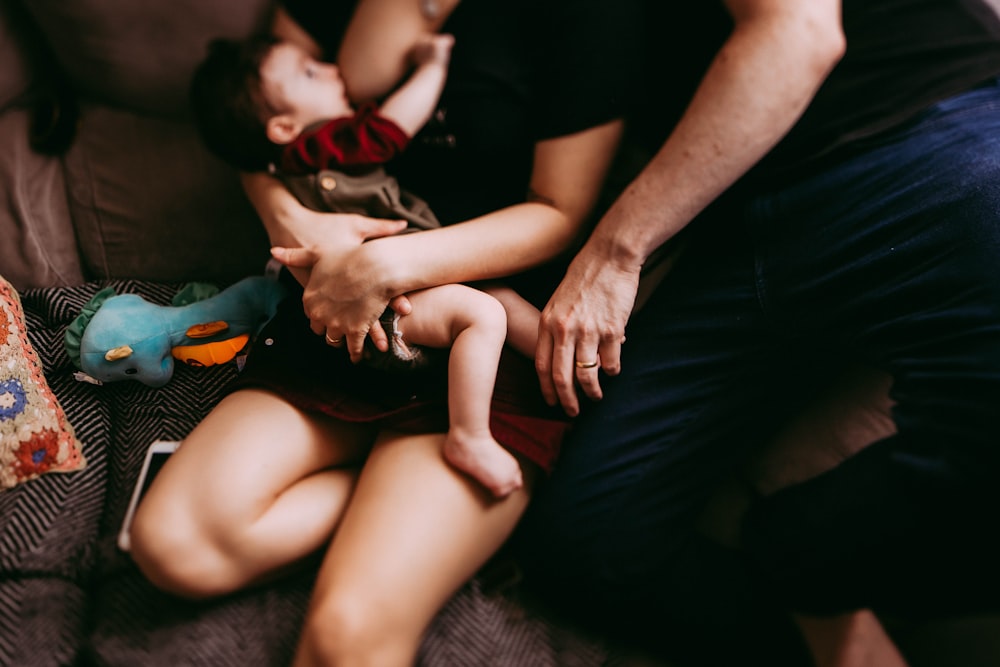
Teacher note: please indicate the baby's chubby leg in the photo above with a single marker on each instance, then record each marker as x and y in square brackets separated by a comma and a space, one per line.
[474, 325]
[522, 318]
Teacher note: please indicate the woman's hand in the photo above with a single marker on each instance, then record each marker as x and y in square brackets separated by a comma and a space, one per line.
[347, 289]
[583, 327]
[289, 224]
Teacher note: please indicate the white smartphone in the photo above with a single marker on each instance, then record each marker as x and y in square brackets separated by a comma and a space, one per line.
[156, 455]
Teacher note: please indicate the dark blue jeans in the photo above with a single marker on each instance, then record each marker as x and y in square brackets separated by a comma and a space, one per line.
[890, 257]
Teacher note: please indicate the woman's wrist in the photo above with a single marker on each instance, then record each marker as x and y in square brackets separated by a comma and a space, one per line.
[274, 208]
[388, 268]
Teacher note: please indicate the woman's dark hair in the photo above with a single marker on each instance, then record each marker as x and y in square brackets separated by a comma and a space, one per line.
[229, 107]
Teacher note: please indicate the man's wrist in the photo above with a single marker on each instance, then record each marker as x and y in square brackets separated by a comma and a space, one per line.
[616, 252]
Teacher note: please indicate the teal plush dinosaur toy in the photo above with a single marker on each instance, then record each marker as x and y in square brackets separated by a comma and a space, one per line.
[126, 337]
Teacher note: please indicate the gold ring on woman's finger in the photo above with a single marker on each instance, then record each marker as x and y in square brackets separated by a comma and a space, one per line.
[585, 364]
[333, 341]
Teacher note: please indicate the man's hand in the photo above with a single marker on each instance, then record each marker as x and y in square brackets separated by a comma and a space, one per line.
[583, 327]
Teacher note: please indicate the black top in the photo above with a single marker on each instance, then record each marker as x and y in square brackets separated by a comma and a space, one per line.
[902, 56]
[521, 70]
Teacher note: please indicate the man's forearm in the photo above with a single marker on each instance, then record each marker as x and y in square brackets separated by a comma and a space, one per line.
[754, 91]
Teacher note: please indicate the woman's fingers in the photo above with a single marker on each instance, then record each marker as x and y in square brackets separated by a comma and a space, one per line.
[356, 345]
[378, 336]
[373, 228]
[301, 258]
[401, 304]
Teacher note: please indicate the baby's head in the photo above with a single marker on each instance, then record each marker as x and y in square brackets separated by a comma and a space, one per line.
[251, 97]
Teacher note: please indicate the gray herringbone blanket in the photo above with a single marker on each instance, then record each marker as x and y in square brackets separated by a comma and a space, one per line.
[69, 597]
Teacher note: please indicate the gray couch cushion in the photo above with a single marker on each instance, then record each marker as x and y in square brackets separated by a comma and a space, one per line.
[140, 55]
[18, 70]
[39, 243]
[149, 202]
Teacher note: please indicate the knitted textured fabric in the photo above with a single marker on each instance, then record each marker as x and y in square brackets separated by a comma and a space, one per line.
[35, 435]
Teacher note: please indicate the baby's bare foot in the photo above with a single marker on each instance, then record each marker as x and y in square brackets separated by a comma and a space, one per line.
[486, 461]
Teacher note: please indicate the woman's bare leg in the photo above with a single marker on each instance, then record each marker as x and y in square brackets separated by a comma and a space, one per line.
[251, 491]
[415, 531]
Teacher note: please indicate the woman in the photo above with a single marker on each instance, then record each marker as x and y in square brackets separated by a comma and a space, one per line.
[307, 447]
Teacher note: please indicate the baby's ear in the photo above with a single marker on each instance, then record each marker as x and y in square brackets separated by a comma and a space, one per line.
[282, 129]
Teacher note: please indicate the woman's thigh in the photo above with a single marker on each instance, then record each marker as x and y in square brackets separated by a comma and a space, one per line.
[253, 455]
[415, 531]
[250, 448]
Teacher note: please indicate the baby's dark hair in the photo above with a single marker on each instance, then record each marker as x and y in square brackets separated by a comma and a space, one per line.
[229, 107]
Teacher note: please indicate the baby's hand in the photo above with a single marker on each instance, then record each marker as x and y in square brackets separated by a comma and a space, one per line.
[433, 49]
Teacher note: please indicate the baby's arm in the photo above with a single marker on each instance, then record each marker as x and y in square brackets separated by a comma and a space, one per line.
[412, 104]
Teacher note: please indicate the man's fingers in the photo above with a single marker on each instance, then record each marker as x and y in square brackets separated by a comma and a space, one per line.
[587, 377]
[543, 366]
[563, 377]
[586, 363]
[317, 327]
[611, 356]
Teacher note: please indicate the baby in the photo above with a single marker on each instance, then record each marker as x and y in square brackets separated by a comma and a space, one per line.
[268, 104]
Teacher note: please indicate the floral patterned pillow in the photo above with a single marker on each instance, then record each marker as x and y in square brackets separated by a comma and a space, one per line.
[35, 436]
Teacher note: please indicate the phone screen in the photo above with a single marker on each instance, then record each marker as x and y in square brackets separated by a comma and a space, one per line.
[156, 457]
[156, 461]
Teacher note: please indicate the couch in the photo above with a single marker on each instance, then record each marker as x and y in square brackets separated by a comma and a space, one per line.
[103, 182]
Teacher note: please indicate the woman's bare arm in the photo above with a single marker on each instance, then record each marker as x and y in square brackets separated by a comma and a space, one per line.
[375, 52]
[285, 28]
[349, 289]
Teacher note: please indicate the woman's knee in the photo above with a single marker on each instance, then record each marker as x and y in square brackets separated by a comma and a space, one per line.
[179, 556]
[350, 628]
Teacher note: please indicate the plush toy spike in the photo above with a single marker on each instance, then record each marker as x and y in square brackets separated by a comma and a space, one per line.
[123, 352]
[74, 332]
[125, 337]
